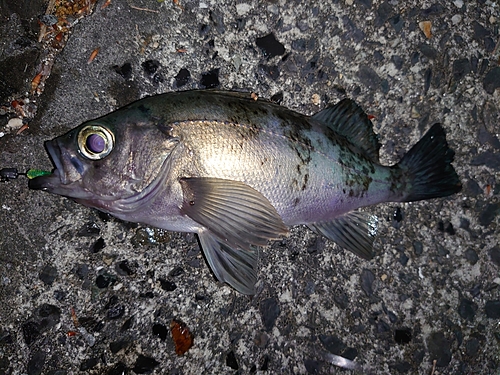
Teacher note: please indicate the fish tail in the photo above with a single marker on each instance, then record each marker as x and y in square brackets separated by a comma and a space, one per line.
[427, 167]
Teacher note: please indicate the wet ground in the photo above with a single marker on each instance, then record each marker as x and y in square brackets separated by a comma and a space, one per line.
[81, 291]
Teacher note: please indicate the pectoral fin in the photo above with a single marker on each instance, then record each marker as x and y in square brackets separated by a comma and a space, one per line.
[236, 267]
[234, 212]
[354, 231]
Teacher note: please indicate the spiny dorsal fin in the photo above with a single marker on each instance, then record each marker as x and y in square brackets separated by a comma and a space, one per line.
[349, 120]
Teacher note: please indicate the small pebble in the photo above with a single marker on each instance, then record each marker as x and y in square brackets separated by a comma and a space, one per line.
[48, 274]
[426, 27]
[492, 309]
[467, 309]
[144, 365]
[231, 360]
[439, 348]
[269, 311]
[270, 46]
[367, 279]
[456, 19]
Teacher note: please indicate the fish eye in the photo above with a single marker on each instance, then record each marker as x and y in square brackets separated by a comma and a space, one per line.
[95, 142]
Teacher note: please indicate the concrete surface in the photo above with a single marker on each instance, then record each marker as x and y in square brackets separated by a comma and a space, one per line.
[84, 293]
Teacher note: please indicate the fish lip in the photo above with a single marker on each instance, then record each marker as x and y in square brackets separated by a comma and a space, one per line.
[57, 176]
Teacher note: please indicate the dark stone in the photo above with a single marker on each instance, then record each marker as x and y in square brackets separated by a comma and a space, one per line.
[299, 45]
[150, 67]
[217, 19]
[270, 46]
[378, 56]
[204, 30]
[489, 44]
[31, 331]
[160, 330]
[480, 32]
[475, 291]
[403, 259]
[36, 362]
[119, 369]
[272, 71]
[302, 25]
[461, 68]
[366, 3]
[471, 256]
[89, 364]
[333, 344]
[428, 51]
[210, 79]
[397, 215]
[277, 98]
[439, 349]
[125, 70]
[402, 336]
[116, 312]
[397, 23]
[82, 271]
[98, 245]
[418, 248]
[350, 353]
[427, 80]
[484, 65]
[353, 32]
[368, 77]
[310, 288]
[384, 12]
[182, 77]
[48, 274]
[401, 367]
[104, 280]
[269, 311]
[491, 80]
[492, 309]
[127, 324]
[433, 10]
[265, 364]
[472, 347]
[167, 285]
[397, 61]
[177, 271]
[382, 326]
[489, 159]
[489, 214]
[231, 361]
[89, 229]
[341, 300]
[125, 268]
[467, 309]
[90, 324]
[144, 365]
[415, 57]
[495, 255]
[50, 314]
[116, 346]
[312, 366]
[367, 278]
[473, 188]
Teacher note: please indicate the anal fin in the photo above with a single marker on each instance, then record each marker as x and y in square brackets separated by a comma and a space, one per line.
[354, 231]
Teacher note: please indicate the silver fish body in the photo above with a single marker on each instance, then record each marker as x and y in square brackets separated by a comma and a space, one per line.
[238, 172]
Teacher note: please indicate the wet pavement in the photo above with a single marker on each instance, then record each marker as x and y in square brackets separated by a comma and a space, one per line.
[84, 292]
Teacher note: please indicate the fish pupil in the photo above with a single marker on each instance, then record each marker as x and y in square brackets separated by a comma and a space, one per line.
[95, 143]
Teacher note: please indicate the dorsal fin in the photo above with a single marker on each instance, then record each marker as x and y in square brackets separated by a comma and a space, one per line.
[349, 120]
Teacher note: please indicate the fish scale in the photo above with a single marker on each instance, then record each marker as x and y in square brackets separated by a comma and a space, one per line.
[238, 172]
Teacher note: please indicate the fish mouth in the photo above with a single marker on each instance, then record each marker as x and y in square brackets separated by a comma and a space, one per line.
[57, 177]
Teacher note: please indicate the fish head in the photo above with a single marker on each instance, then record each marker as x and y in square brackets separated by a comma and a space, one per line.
[118, 157]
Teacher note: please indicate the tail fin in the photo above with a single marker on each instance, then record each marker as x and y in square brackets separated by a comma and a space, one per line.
[428, 167]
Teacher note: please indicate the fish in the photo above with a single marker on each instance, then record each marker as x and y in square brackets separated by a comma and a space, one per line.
[240, 172]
